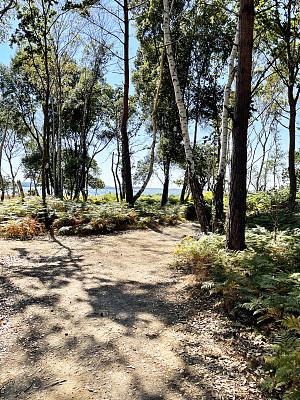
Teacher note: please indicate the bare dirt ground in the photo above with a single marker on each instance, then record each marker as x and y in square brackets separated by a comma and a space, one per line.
[107, 318]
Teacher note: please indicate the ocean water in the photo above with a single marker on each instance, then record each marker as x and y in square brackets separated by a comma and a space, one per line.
[111, 190]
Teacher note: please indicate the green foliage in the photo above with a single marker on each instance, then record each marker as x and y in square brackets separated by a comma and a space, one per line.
[259, 286]
[190, 212]
[100, 215]
[269, 209]
[286, 362]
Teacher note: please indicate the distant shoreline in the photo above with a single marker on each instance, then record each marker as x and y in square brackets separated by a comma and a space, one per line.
[111, 190]
[27, 184]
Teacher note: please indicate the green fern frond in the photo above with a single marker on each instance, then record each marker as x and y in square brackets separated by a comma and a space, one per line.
[292, 323]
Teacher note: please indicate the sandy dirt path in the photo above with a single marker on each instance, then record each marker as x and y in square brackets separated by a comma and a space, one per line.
[104, 318]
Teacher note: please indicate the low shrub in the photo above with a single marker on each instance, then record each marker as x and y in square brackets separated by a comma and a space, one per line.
[21, 228]
[260, 286]
[96, 216]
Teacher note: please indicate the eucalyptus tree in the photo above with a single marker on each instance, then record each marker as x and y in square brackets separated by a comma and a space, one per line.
[218, 190]
[7, 115]
[33, 36]
[193, 181]
[235, 234]
[13, 149]
[4, 124]
[279, 27]
[264, 127]
[83, 110]
[163, 124]
[89, 117]
[31, 164]
[19, 91]
[100, 13]
[197, 51]
[67, 41]
[113, 120]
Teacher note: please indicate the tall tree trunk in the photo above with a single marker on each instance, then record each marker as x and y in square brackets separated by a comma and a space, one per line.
[218, 191]
[1, 151]
[291, 164]
[83, 151]
[194, 184]
[124, 134]
[121, 191]
[235, 235]
[165, 193]
[81, 163]
[13, 176]
[184, 186]
[114, 176]
[186, 174]
[59, 134]
[152, 152]
[46, 112]
[54, 151]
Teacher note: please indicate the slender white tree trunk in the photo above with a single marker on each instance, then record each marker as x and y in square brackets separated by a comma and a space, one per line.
[194, 183]
[152, 152]
[219, 185]
[177, 89]
[1, 151]
[227, 93]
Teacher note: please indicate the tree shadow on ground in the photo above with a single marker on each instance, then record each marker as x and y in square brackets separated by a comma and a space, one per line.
[109, 338]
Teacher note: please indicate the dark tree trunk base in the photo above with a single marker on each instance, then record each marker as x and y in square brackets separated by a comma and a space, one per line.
[199, 203]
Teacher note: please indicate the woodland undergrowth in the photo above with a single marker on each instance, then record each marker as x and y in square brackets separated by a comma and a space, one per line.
[26, 219]
[260, 286]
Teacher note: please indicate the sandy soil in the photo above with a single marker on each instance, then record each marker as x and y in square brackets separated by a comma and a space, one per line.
[107, 318]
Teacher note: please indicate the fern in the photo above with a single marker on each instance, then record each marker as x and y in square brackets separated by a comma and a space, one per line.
[292, 323]
[286, 360]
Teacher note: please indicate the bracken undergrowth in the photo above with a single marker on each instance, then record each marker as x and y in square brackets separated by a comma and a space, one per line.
[259, 287]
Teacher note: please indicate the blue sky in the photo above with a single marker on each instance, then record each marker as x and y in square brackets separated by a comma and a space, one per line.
[5, 53]
[104, 159]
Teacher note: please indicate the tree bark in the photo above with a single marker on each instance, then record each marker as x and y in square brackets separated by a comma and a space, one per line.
[165, 193]
[59, 134]
[126, 164]
[152, 152]
[114, 176]
[121, 191]
[45, 108]
[194, 184]
[184, 186]
[291, 165]
[235, 235]
[1, 151]
[20, 190]
[218, 191]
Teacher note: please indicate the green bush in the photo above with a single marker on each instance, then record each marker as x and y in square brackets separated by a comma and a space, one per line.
[260, 286]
